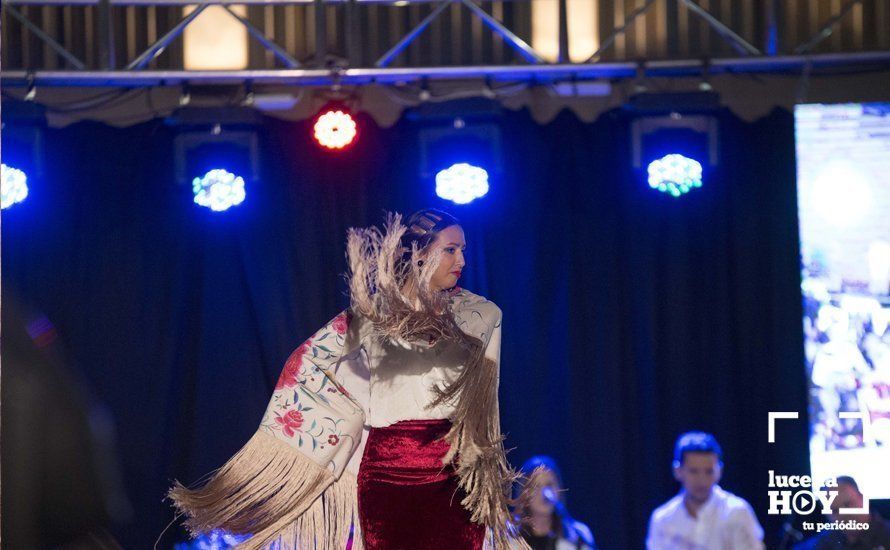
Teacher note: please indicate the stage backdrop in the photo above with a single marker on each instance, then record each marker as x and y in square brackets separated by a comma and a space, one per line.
[629, 315]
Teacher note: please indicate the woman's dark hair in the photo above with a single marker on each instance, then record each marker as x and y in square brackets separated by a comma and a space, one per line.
[558, 523]
[423, 226]
[542, 460]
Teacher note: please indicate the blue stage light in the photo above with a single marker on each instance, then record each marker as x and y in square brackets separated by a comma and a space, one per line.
[215, 540]
[674, 174]
[13, 186]
[219, 190]
[461, 183]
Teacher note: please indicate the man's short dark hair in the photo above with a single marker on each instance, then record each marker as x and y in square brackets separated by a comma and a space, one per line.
[849, 481]
[696, 442]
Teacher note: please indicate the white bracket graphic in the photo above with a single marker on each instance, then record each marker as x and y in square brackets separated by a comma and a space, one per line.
[771, 431]
[864, 417]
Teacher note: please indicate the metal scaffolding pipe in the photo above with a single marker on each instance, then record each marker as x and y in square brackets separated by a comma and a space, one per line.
[826, 29]
[406, 40]
[38, 32]
[737, 42]
[158, 47]
[270, 45]
[184, 3]
[511, 73]
[518, 44]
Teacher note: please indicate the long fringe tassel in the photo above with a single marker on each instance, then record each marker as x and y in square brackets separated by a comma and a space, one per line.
[264, 487]
[358, 541]
[477, 449]
[324, 526]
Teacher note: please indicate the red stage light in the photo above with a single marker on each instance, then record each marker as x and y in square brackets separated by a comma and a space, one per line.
[335, 129]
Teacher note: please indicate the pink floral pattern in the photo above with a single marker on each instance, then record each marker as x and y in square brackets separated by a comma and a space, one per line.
[309, 408]
[313, 412]
[290, 422]
[340, 323]
[291, 371]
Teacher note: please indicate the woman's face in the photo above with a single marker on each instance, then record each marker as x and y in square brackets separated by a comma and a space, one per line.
[452, 243]
[541, 502]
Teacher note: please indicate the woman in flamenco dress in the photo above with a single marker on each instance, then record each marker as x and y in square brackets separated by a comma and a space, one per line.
[384, 425]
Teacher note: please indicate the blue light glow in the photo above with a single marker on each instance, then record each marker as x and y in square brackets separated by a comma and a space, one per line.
[215, 540]
[219, 190]
[462, 183]
[675, 174]
[13, 186]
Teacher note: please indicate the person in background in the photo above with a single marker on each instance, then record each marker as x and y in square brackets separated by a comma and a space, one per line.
[702, 515]
[544, 521]
[876, 537]
[61, 482]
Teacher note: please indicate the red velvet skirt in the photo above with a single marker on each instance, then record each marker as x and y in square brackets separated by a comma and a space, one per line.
[406, 500]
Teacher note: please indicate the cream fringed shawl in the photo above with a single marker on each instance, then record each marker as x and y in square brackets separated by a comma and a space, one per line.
[290, 483]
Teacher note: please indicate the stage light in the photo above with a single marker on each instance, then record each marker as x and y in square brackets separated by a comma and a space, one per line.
[221, 143]
[214, 540]
[682, 132]
[14, 186]
[461, 183]
[335, 129]
[675, 174]
[219, 190]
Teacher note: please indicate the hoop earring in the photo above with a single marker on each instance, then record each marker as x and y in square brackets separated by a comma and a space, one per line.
[419, 262]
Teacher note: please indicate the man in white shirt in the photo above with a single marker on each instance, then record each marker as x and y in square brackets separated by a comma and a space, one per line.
[702, 516]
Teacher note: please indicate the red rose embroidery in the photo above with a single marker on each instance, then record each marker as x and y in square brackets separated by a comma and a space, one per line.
[288, 378]
[290, 422]
[333, 439]
[341, 323]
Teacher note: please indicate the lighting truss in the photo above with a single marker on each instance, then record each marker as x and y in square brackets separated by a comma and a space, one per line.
[750, 60]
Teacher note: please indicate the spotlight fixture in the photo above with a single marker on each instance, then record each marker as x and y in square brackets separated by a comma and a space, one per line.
[217, 151]
[219, 190]
[335, 129]
[674, 136]
[461, 183]
[460, 144]
[13, 187]
[23, 129]
[675, 174]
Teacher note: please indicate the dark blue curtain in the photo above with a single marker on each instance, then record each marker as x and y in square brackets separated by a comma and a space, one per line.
[629, 316]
